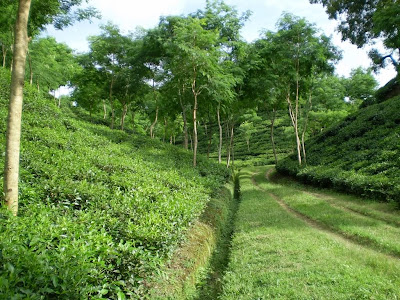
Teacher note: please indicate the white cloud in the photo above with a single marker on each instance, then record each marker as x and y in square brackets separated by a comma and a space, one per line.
[129, 14]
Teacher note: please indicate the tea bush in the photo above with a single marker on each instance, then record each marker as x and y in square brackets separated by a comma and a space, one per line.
[359, 155]
[100, 210]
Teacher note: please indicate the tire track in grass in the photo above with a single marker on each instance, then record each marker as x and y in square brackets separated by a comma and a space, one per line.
[332, 201]
[277, 255]
[337, 235]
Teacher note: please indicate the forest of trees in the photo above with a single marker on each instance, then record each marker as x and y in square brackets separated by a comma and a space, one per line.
[183, 141]
[196, 70]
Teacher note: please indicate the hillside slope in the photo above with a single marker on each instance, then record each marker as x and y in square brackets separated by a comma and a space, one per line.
[359, 155]
[100, 210]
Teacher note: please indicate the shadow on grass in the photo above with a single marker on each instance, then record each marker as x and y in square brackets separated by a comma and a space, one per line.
[211, 287]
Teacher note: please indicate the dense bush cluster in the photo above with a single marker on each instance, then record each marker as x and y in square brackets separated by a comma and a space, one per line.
[100, 210]
[359, 155]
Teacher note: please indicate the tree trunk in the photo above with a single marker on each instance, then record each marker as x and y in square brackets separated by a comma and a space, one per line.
[272, 135]
[4, 51]
[154, 124]
[231, 145]
[112, 104]
[209, 142]
[220, 136]
[185, 130]
[165, 129]
[195, 131]
[13, 137]
[30, 68]
[303, 134]
[294, 118]
[185, 127]
[123, 116]
[228, 148]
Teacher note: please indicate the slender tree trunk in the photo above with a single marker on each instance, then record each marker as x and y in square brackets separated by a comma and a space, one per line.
[12, 58]
[170, 139]
[185, 127]
[303, 134]
[191, 142]
[231, 149]
[13, 137]
[154, 124]
[30, 68]
[272, 135]
[220, 135]
[209, 142]
[111, 103]
[195, 131]
[165, 129]
[4, 51]
[59, 100]
[123, 116]
[294, 118]
[228, 146]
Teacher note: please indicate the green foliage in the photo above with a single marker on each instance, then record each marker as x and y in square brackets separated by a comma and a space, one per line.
[100, 210]
[362, 22]
[50, 64]
[361, 85]
[358, 155]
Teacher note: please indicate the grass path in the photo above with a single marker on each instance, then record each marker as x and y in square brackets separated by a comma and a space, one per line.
[366, 229]
[282, 250]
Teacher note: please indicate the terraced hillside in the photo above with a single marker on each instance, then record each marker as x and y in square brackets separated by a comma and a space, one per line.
[101, 211]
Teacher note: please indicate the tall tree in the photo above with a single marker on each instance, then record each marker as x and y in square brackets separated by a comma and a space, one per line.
[298, 54]
[51, 64]
[200, 54]
[11, 166]
[361, 85]
[42, 13]
[108, 51]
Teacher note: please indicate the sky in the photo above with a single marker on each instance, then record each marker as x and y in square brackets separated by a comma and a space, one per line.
[129, 14]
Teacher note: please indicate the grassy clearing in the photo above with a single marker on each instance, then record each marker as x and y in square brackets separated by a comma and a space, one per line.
[276, 255]
[366, 230]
